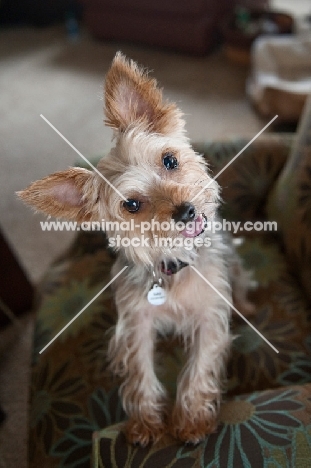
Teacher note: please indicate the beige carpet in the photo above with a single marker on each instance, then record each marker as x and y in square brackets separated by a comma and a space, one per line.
[42, 72]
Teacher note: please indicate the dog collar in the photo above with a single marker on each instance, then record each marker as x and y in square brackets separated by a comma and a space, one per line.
[157, 294]
[171, 267]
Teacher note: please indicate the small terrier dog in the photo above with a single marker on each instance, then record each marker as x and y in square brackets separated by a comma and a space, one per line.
[154, 176]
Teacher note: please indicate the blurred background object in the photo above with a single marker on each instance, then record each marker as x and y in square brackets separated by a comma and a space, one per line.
[280, 75]
[249, 21]
[192, 27]
[280, 78]
[34, 12]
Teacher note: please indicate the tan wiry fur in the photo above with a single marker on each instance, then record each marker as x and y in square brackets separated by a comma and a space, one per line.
[131, 98]
[146, 128]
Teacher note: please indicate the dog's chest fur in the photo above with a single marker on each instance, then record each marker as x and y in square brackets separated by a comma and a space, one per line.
[189, 299]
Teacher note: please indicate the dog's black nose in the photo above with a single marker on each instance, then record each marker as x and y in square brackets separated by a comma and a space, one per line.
[184, 213]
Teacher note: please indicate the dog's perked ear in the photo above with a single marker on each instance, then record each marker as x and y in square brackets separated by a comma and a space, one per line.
[70, 194]
[132, 98]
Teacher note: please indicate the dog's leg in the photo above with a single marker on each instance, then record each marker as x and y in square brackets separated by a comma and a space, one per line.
[131, 353]
[200, 385]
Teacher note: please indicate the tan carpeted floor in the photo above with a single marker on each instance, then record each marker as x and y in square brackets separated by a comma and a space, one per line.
[43, 73]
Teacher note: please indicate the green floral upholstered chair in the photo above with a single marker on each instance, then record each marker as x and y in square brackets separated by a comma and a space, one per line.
[265, 421]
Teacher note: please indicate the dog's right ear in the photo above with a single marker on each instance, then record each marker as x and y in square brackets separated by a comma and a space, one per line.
[70, 194]
[132, 98]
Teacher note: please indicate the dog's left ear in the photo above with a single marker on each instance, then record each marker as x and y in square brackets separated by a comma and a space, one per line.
[70, 194]
[131, 98]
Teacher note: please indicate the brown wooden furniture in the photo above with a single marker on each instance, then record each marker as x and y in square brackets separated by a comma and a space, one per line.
[16, 292]
[181, 25]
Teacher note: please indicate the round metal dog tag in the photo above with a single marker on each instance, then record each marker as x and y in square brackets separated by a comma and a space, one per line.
[156, 295]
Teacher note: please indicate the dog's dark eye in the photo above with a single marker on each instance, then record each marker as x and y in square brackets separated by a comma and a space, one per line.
[131, 205]
[169, 161]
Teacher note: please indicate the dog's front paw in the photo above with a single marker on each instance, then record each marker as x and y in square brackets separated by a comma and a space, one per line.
[142, 433]
[192, 430]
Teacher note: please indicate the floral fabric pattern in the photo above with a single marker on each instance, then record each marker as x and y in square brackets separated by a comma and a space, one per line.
[76, 443]
[254, 362]
[255, 430]
[51, 405]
